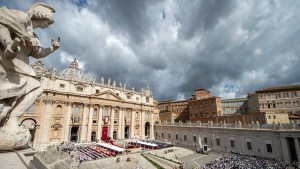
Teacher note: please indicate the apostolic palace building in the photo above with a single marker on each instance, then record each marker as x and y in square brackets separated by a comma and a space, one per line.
[74, 107]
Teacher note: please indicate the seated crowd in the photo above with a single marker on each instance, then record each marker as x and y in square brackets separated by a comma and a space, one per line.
[89, 152]
[239, 161]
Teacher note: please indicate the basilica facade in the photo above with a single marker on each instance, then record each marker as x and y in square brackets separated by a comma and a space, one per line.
[74, 107]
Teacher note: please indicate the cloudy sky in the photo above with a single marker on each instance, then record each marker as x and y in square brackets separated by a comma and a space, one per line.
[174, 46]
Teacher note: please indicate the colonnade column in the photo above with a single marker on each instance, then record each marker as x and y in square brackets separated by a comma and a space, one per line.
[152, 126]
[132, 128]
[297, 148]
[120, 124]
[83, 124]
[67, 124]
[284, 148]
[112, 117]
[90, 123]
[99, 128]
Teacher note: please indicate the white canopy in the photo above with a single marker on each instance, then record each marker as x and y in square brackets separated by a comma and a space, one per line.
[112, 147]
[146, 143]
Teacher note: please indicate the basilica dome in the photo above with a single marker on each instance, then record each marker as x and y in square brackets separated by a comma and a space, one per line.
[74, 73]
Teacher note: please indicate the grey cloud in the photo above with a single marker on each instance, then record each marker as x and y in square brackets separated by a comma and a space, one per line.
[198, 16]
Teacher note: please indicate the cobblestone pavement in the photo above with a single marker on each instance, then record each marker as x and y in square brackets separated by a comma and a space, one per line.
[162, 162]
[136, 160]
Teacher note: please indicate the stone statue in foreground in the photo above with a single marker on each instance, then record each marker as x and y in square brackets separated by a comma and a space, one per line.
[19, 87]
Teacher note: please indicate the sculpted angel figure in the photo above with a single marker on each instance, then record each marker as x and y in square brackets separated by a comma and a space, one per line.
[19, 87]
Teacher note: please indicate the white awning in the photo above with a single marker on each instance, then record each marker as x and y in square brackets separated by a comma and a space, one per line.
[112, 147]
[146, 143]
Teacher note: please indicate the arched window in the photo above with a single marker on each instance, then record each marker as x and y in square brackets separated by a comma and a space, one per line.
[76, 114]
[137, 115]
[116, 114]
[105, 112]
[58, 109]
[127, 114]
[147, 116]
[95, 112]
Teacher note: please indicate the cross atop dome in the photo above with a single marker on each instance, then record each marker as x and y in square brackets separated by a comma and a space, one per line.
[74, 65]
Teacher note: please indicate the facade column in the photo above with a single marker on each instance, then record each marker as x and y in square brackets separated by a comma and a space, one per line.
[112, 118]
[99, 128]
[67, 124]
[143, 124]
[132, 128]
[123, 124]
[152, 126]
[46, 123]
[90, 123]
[83, 124]
[297, 148]
[120, 124]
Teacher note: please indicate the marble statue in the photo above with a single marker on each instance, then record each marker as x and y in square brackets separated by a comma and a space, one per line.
[114, 83]
[108, 82]
[19, 87]
[102, 81]
[54, 71]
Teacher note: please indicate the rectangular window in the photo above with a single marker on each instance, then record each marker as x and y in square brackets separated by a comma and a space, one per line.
[137, 98]
[232, 143]
[169, 135]
[195, 139]
[162, 135]
[218, 141]
[94, 121]
[176, 136]
[269, 148]
[249, 145]
[97, 91]
[147, 99]
[156, 134]
[184, 137]
[128, 97]
[205, 140]
[79, 89]
[61, 86]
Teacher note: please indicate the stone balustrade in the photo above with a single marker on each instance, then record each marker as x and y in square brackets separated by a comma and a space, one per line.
[254, 126]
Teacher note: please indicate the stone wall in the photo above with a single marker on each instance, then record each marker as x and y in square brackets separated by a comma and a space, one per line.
[269, 142]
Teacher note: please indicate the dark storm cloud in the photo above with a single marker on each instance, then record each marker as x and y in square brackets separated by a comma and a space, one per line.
[126, 17]
[229, 47]
[197, 16]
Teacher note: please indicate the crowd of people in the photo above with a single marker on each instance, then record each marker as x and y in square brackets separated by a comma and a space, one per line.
[86, 152]
[239, 161]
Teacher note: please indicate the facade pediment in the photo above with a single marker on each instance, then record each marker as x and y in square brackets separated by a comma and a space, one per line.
[108, 95]
[79, 84]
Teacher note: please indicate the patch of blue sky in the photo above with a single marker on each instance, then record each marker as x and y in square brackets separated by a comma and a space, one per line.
[80, 3]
